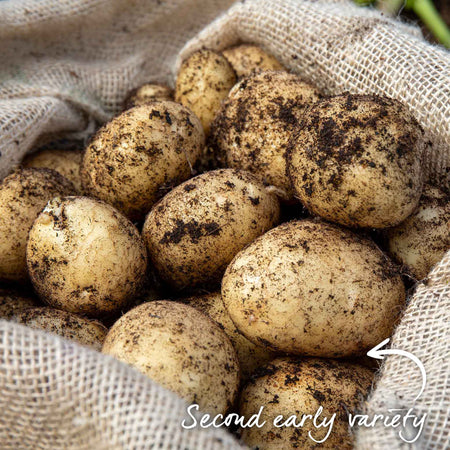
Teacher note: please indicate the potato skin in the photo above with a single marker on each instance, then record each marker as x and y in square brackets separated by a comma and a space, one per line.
[180, 348]
[146, 93]
[65, 324]
[248, 59]
[250, 355]
[141, 154]
[422, 239]
[203, 81]
[23, 194]
[66, 162]
[12, 302]
[195, 230]
[253, 128]
[312, 288]
[357, 161]
[84, 257]
[291, 386]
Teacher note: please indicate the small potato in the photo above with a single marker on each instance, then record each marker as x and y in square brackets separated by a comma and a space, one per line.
[84, 257]
[148, 92]
[180, 348]
[253, 128]
[197, 228]
[141, 154]
[423, 238]
[65, 324]
[247, 59]
[203, 81]
[357, 161]
[297, 387]
[12, 302]
[312, 288]
[66, 162]
[23, 195]
[250, 355]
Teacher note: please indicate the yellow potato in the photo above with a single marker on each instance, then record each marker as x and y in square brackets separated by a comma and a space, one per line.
[247, 59]
[203, 81]
[140, 155]
[148, 92]
[290, 386]
[312, 288]
[84, 257]
[357, 161]
[195, 230]
[180, 348]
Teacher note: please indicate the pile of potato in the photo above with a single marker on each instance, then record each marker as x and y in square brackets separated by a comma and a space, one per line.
[230, 239]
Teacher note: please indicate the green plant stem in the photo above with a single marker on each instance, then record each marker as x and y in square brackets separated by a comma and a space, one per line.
[427, 12]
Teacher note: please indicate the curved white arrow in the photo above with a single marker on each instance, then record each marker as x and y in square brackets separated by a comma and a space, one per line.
[377, 353]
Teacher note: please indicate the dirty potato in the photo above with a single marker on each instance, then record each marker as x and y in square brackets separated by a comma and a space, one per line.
[66, 162]
[422, 239]
[247, 59]
[23, 195]
[195, 230]
[357, 161]
[298, 387]
[312, 288]
[203, 81]
[84, 257]
[180, 348]
[253, 128]
[65, 324]
[140, 155]
[250, 356]
[13, 302]
[148, 92]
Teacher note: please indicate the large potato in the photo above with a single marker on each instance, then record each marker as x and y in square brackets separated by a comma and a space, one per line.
[66, 162]
[423, 238]
[180, 348]
[13, 302]
[312, 288]
[84, 257]
[195, 230]
[65, 324]
[141, 154]
[247, 59]
[23, 194]
[203, 81]
[250, 356]
[253, 128]
[298, 387]
[357, 161]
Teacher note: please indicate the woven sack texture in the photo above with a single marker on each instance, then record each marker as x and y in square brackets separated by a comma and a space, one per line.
[66, 65]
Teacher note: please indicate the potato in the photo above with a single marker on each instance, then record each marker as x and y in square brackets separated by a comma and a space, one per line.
[65, 324]
[195, 230]
[84, 257]
[148, 92]
[66, 162]
[357, 161]
[253, 128]
[180, 348]
[312, 288]
[203, 81]
[250, 355]
[141, 154]
[23, 194]
[12, 302]
[296, 387]
[247, 59]
[423, 238]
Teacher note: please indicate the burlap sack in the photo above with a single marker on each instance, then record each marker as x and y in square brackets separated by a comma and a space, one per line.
[66, 64]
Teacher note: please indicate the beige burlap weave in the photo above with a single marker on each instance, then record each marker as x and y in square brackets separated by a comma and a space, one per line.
[66, 64]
